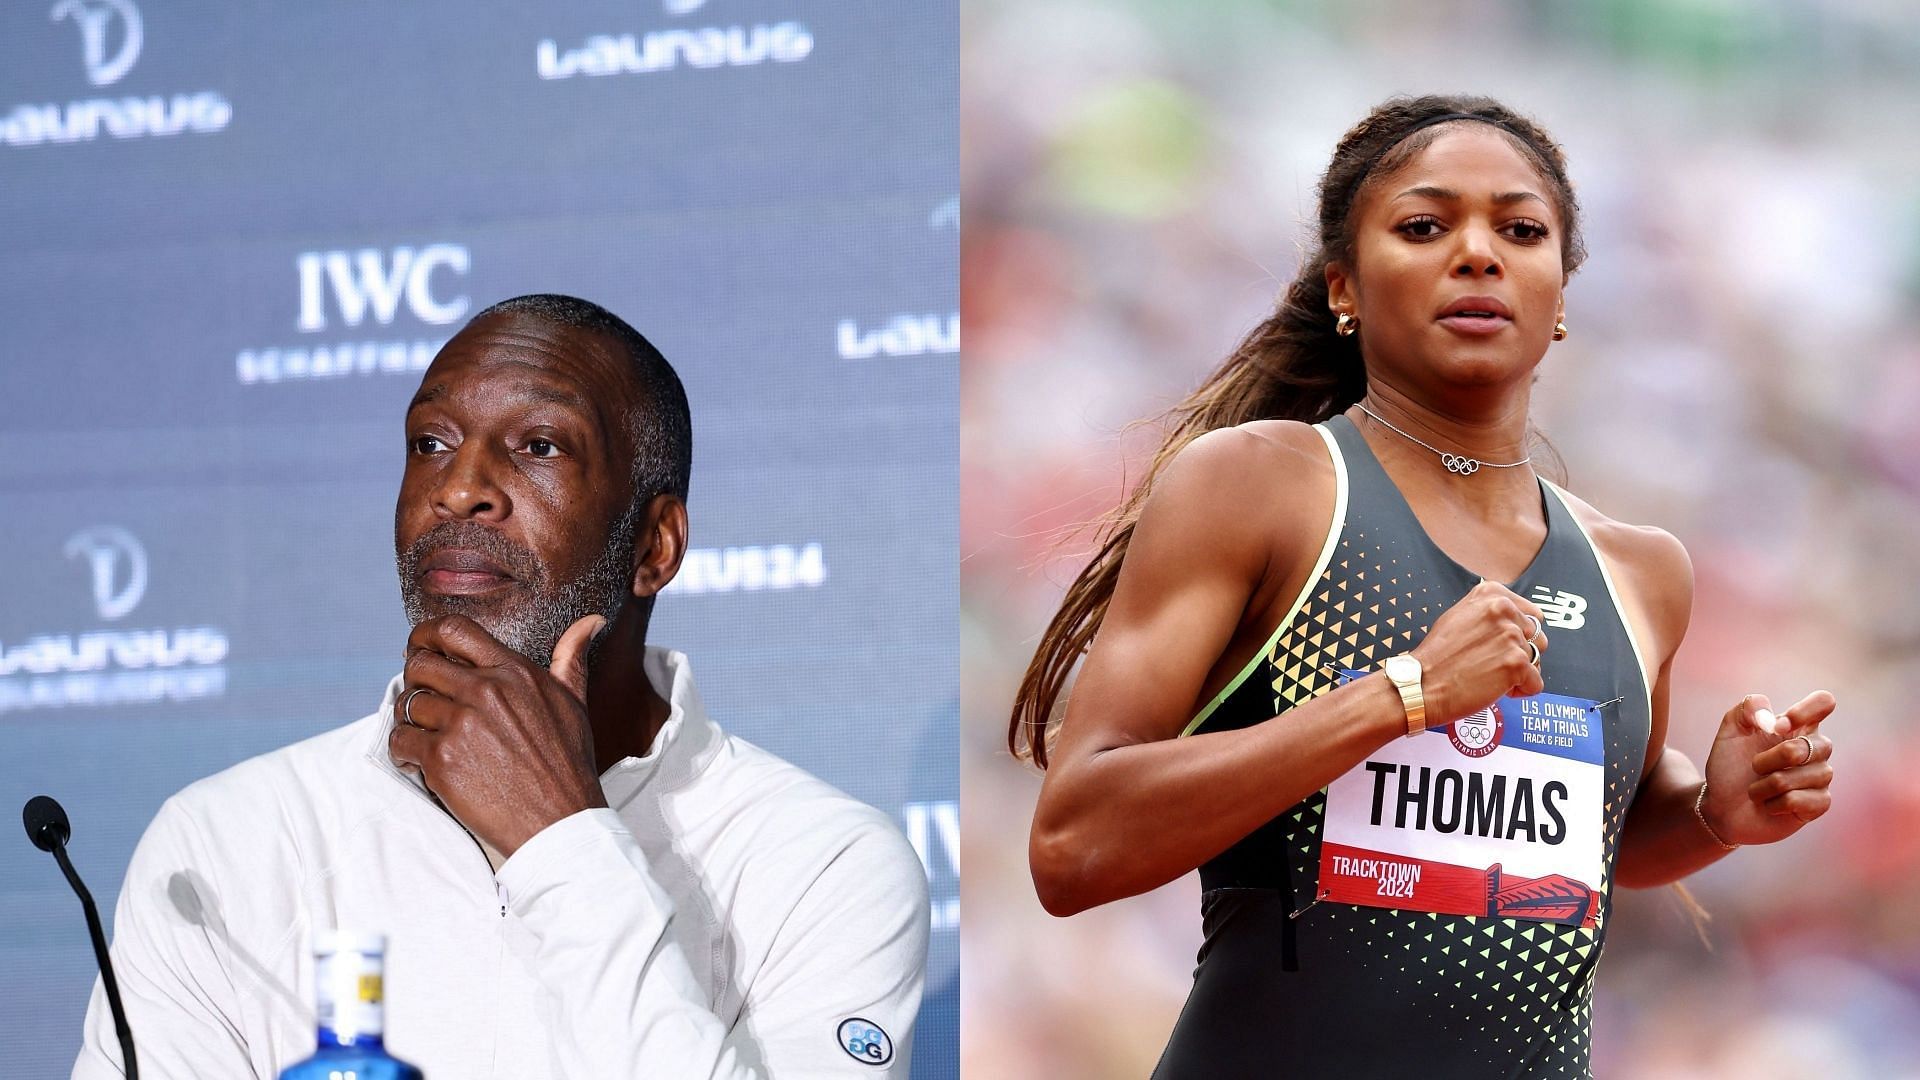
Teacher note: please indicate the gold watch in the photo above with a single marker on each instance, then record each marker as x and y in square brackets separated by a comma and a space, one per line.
[1404, 671]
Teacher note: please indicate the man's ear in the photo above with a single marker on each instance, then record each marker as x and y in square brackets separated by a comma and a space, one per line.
[658, 545]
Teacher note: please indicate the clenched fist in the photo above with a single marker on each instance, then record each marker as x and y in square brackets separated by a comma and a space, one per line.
[1480, 650]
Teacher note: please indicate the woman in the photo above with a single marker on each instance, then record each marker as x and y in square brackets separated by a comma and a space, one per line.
[1320, 667]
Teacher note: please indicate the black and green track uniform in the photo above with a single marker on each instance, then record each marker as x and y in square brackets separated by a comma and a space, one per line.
[1287, 986]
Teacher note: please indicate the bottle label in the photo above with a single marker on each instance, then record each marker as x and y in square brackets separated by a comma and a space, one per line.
[350, 993]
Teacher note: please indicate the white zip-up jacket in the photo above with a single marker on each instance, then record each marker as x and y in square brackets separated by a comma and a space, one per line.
[727, 915]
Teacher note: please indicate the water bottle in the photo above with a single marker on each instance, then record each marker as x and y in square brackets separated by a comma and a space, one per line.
[347, 973]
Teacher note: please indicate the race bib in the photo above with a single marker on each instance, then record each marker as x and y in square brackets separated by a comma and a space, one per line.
[1495, 814]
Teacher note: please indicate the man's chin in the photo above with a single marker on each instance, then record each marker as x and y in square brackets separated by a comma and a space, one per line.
[470, 604]
[493, 611]
[489, 609]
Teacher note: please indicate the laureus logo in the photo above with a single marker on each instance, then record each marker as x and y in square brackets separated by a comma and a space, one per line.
[95, 18]
[676, 47]
[110, 39]
[107, 548]
[125, 665]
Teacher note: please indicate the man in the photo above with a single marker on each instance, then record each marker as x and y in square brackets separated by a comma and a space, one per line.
[579, 873]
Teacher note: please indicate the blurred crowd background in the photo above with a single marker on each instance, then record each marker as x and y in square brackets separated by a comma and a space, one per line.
[1743, 372]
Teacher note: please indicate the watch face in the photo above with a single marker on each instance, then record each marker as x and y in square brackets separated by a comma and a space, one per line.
[1403, 669]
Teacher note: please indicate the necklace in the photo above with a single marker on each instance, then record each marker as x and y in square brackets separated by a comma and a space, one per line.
[1459, 464]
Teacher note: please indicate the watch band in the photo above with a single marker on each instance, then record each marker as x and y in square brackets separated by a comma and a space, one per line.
[1416, 703]
[1412, 696]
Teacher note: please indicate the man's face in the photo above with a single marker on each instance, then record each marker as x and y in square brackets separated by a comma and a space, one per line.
[513, 507]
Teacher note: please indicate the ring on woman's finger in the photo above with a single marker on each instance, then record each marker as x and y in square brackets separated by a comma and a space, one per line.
[1533, 626]
[406, 707]
[1535, 658]
[1809, 758]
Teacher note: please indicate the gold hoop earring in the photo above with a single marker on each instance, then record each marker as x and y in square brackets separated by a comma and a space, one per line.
[1346, 325]
[1560, 331]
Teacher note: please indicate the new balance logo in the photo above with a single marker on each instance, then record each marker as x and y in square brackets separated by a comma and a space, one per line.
[1561, 609]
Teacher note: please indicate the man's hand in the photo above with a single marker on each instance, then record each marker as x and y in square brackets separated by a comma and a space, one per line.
[1765, 779]
[504, 745]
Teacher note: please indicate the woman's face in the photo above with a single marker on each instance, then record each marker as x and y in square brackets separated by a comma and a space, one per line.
[1456, 277]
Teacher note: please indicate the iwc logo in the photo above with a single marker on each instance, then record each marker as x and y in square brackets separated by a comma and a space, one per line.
[864, 1042]
[1477, 735]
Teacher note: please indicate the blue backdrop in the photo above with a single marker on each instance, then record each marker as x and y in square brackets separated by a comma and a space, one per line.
[233, 238]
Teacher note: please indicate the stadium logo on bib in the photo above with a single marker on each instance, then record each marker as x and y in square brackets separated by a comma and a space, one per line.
[1562, 609]
[864, 1042]
[111, 36]
[94, 20]
[1478, 734]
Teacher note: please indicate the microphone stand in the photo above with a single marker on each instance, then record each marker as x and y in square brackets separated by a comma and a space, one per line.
[99, 936]
[48, 828]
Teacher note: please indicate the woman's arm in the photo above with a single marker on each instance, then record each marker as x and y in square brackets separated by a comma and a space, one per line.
[1662, 840]
[1762, 783]
[1126, 807]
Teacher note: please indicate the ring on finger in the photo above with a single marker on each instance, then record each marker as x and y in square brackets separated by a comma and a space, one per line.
[1533, 626]
[406, 706]
[1809, 758]
[1535, 658]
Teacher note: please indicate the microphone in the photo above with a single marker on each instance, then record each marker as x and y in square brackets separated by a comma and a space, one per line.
[48, 828]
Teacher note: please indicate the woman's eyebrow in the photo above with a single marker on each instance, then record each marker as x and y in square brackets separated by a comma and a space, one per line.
[1429, 191]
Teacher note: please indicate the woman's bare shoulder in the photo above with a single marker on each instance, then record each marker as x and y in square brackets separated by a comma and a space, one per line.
[1260, 456]
[1644, 548]
[1270, 456]
[1243, 492]
[1648, 560]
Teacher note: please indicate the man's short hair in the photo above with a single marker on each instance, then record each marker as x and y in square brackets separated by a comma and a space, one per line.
[660, 422]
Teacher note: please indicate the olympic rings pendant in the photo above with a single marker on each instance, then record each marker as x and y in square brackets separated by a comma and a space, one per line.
[1464, 466]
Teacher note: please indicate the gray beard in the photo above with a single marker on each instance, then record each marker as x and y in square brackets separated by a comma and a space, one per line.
[533, 616]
